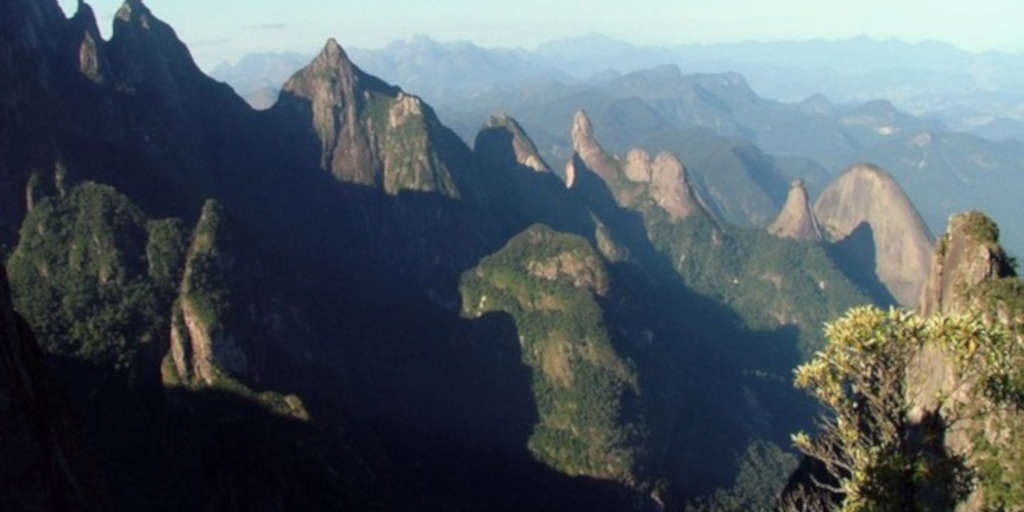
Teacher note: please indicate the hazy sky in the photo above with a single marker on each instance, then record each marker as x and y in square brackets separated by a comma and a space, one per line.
[224, 30]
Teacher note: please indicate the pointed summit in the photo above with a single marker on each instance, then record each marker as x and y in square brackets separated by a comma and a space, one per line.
[89, 48]
[148, 55]
[371, 133]
[131, 9]
[671, 189]
[332, 47]
[333, 57]
[582, 130]
[503, 141]
[796, 220]
[590, 151]
[866, 200]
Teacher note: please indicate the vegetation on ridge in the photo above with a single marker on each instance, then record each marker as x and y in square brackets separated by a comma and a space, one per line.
[94, 277]
[550, 283]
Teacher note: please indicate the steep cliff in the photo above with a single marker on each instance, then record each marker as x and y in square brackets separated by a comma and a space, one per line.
[501, 132]
[370, 133]
[972, 275]
[221, 332]
[796, 220]
[967, 256]
[638, 180]
[866, 199]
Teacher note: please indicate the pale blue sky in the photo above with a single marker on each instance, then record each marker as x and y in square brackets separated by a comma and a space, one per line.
[222, 30]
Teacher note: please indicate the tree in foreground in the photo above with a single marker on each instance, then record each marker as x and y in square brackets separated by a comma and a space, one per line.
[880, 454]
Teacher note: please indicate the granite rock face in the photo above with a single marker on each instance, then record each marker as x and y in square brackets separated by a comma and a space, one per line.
[370, 133]
[866, 197]
[638, 178]
[967, 255]
[502, 131]
[589, 149]
[796, 220]
[970, 274]
[671, 189]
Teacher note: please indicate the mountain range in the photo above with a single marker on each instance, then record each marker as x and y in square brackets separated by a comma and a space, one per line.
[338, 302]
[950, 156]
[974, 92]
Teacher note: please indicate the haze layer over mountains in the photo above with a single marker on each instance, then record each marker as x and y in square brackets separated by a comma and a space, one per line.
[947, 123]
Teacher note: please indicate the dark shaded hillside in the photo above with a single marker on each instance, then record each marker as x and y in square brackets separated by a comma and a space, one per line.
[48, 463]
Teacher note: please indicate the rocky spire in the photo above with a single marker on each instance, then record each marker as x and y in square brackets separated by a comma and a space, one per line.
[370, 133]
[330, 85]
[638, 166]
[88, 45]
[796, 220]
[502, 138]
[582, 132]
[570, 172]
[967, 255]
[638, 178]
[591, 154]
[671, 188]
[148, 55]
[867, 198]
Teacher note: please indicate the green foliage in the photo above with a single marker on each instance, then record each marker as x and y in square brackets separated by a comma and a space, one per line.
[989, 353]
[549, 283]
[79, 276]
[881, 459]
[768, 281]
[208, 281]
[991, 350]
[405, 149]
[763, 471]
[981, 228]
[1001, 466]
[166, 251]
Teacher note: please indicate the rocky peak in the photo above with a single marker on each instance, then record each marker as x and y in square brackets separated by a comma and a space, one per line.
[637, 179]
[331, 65]
[638, 166]
[570, 172]
[589, 150]
[967, 255]
[502, 138]
[671, 189]
[149, 57]
[370, 132]
[87, 44]
[867, 198]
[582, 130]
[796, 220]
